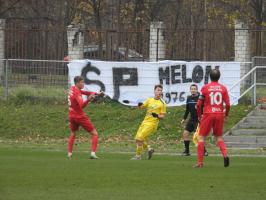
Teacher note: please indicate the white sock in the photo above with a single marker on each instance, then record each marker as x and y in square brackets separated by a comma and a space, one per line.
[69, 154]
[93, 154]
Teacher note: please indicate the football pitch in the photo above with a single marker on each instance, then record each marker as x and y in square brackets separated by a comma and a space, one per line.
[41, 174]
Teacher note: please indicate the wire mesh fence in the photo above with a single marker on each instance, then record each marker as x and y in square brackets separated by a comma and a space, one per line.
[34, 79]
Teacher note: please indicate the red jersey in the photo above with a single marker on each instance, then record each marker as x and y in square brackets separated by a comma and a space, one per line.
[76, 103]
[214, 95]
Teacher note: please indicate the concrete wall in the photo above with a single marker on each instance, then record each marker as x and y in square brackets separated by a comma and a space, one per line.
[242, 46]
[75, 41]
[157, 42]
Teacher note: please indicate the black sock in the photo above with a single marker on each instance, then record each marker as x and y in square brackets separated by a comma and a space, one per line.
[186, 142]
[205, 150]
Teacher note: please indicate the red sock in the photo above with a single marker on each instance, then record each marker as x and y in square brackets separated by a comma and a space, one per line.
[200, 152]
[222, 146]
[71, 141]
[94, 143]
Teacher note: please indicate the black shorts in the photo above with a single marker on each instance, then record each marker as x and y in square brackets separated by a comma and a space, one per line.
[191, 126]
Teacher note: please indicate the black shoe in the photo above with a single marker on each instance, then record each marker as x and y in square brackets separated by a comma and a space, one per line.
[150, 152]
[185, 153]
[206, 153]
[226, 162]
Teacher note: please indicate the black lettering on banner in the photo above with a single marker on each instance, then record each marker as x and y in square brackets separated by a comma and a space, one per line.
[197, 74]
[174, 74]
[164, 74]
[182, 97]
[174, 97]
[207, 74]
[119, 80]
[90, 68]
[167, 97]
[184, 75]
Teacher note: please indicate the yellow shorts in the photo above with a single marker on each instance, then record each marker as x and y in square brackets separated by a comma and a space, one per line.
[145, 131]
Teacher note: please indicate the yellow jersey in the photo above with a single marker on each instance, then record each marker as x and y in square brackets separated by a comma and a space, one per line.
[153, 105]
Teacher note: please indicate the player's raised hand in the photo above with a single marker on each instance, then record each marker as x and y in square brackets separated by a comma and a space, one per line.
[101, 93]
[91, 97]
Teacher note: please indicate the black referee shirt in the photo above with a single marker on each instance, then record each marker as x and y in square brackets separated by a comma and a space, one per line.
[191, 107]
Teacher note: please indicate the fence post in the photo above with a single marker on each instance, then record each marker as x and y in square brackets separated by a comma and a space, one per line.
[2, 48]
[75, 38]
[157, 45]
[255, 87]
[6, 80]
[242, 49]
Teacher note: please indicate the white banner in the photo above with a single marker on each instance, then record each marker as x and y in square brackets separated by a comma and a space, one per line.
[133, 82]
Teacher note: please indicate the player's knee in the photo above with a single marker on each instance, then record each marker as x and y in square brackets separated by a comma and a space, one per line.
[201, 139]
[139, 142]
[186, 134]
[72, 134]
[218, 139]
[94, 132]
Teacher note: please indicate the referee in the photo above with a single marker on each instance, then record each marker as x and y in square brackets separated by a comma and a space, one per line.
[192, 123]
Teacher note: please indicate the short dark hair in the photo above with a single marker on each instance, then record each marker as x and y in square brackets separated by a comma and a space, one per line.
[193, 85]
[77, 79]
[215, 75]
[158, 86]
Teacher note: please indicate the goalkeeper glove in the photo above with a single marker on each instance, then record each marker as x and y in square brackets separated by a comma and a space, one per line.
[155, 115]
[140, 104]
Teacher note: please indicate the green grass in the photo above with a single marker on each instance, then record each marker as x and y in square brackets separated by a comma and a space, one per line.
[41, 120]
[37, 94]
[33, 140]
[37, 174]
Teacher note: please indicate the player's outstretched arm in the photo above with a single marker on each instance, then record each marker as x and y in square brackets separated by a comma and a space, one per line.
[227, 103]
[90, 98]
[186, 112]
[88, 93]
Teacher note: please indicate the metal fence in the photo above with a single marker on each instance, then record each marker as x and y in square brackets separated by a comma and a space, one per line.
[37, 41]
[34, 40]
[34, 79]
[254, 89]
[199, 44]
[116, 45]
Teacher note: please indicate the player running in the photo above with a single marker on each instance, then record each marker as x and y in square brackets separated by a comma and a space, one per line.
[77, 116]
[213, 96]
[192, 123]
[156, 110]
